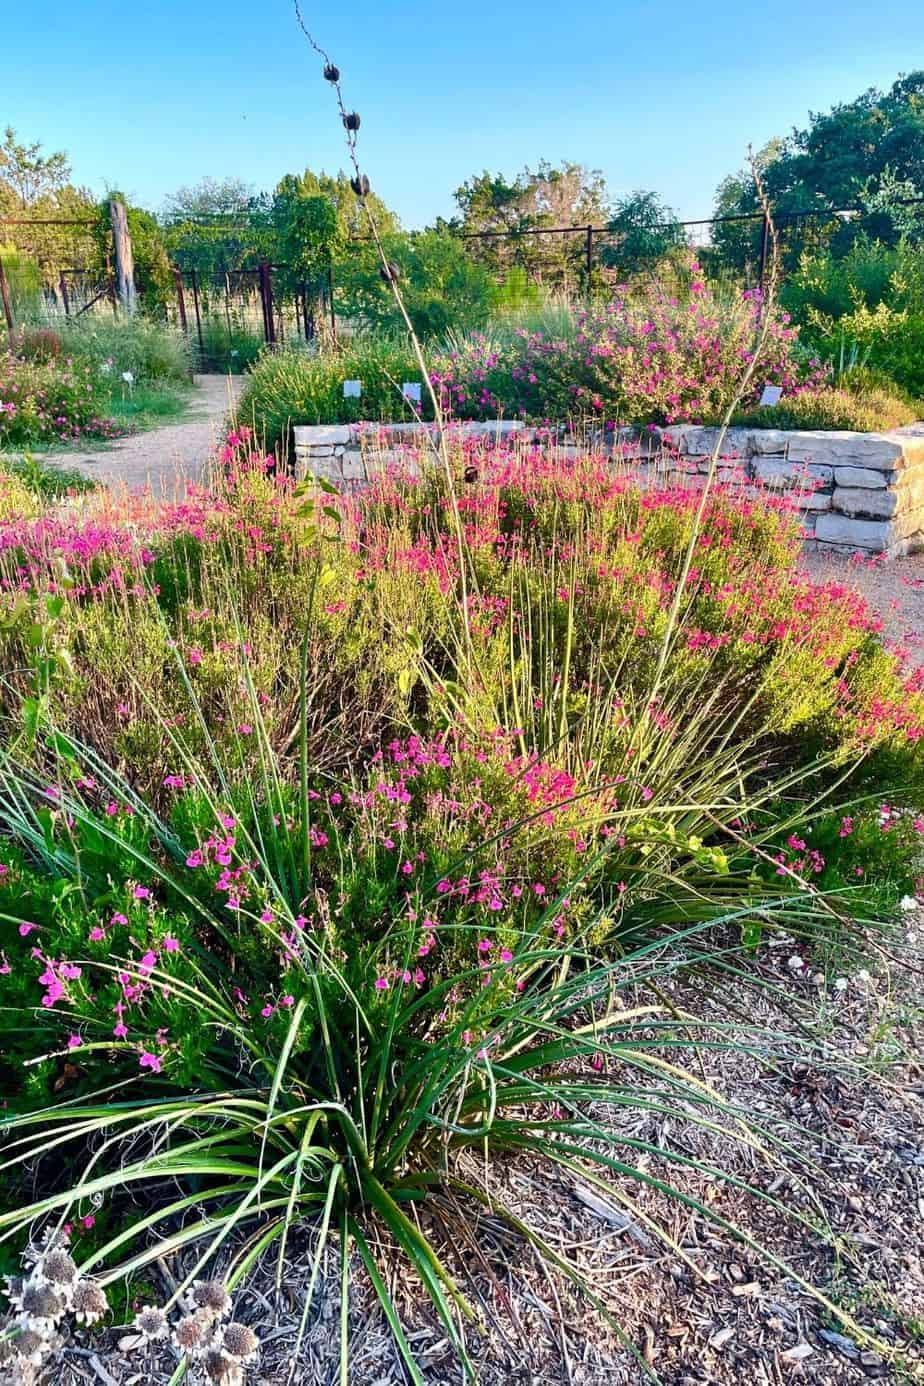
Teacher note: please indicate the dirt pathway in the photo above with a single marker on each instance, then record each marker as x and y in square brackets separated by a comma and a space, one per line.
[165, 457]
[894, 588]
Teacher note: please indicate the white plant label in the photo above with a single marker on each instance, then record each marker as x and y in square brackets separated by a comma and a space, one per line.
[772, 395]
[411, 391]
[352, 389]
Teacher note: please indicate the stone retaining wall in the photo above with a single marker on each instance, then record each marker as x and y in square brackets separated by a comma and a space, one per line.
[857, 491]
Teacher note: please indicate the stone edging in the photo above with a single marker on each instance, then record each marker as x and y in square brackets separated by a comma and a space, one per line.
[857, 491]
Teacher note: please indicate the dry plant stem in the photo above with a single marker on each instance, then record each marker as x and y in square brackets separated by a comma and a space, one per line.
[438, 446]
[746, 378]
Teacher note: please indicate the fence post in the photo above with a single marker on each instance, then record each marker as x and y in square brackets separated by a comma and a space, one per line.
[307, 315]
[195, 289]
[266, 298]
[589, 252]
[63, 286]
[5, 295]
[124, 259]
[180, 298]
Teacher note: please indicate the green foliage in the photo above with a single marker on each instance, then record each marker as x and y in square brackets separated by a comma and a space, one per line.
[857, 405]
[442, 286]
[296, 386]
[149, 350]
[643, 232]
[858, 154]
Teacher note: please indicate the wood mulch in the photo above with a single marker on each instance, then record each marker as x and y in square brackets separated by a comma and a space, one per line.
[844, 1083]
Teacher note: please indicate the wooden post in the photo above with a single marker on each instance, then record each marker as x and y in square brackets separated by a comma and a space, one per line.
[125, 261]
[67, 306]
[266, 297]
[5, 295]
[195, 289]
[180, 298]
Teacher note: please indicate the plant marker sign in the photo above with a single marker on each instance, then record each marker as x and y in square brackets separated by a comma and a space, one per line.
[411, 391]
[772, 395]
[352, 389]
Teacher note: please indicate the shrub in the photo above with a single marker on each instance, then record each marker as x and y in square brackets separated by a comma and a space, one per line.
[297, 386]
[54, 400]
[865, 409]
[149, 350]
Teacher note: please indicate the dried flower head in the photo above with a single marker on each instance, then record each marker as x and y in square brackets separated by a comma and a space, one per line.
[50, 1240]
[240, 1342]
[89, 1303]
[331, 73]
[222, 1370]
[59, 1267]
[351, 120]
[42, 1306]
[151, 1323]
[194, 1333]
[390, 272]
[210, 1295]
[31, 1347]
[7, 1352]
[360, 185]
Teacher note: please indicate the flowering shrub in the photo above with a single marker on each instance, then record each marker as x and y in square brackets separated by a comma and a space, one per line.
[337, 830]
[47, 400]
[661, 361]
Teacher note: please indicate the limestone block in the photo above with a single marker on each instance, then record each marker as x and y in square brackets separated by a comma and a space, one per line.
[779, 472]
[857, 501]
[878, 451]
[860, 476]
[317, 435]
[834, 528]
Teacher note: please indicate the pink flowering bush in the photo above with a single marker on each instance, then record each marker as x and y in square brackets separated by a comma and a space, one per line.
[663, 360]
[50, 399]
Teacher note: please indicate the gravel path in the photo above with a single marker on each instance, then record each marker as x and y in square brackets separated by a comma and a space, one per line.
[894, 588]
[164, 458]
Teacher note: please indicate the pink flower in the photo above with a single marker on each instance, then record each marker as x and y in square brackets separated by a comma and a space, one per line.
[74, 1041]
[381, 983]
[97, 934]
[141, 893]
[150, 1061]
[171, 945]
[26, 928]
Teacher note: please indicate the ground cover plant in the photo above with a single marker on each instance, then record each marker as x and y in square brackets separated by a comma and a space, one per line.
[331, 828]
[90, 378]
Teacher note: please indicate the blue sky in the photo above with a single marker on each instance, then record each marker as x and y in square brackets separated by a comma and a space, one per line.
[148, 96]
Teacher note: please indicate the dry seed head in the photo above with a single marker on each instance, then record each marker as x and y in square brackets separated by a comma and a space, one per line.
[89, 1303]
[240, 1342]
[31, 1346]
[222, 1370]
[360, 185]
[331, 73]
[59, 1267]
[194, 1333]
[42, 1305]
[351, 120]
[151, 1323]
[210, 1295]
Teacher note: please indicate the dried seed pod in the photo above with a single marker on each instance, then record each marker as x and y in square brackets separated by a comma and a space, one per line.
[391, 272]
[360, 185]
[331, 73]
[240, 1342]
[194, 1334]
[470, 474]
[151, 1323]
[210, 1295]
[351, 120]
[58, 1266]
[89, 1303]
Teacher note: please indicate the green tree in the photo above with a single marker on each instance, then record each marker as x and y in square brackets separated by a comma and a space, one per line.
[844, 158]
[537, 199]
[643, 230]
